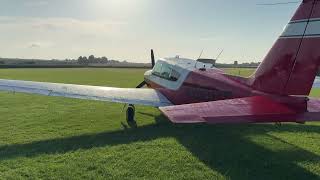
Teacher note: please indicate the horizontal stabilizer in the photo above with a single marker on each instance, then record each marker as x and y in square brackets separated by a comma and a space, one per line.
[148, 97]
[256, 109]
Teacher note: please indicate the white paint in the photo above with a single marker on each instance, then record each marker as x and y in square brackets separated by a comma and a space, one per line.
[302, 28]
[149, 97]
[294, 29]
[313, 28]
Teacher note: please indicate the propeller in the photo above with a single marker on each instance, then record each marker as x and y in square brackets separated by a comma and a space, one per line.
[141, 84]
[153, 62]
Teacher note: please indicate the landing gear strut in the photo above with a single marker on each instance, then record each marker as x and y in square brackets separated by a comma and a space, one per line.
[130, 114]
[279, 124]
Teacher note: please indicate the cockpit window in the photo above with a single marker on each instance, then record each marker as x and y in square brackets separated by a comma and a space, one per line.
[165, 71]
[157, 69]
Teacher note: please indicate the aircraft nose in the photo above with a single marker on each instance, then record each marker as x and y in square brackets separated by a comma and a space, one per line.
[147, 74]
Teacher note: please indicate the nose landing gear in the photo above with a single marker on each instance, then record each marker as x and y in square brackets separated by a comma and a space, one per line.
[130, 114]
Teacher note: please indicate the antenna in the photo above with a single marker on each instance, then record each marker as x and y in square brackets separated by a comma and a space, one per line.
[219, 54]
[278, 3]
[200, 54]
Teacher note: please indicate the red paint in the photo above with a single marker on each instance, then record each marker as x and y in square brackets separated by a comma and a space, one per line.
[304, 11]
[269, 95]
[291, 60]
[257, 109]
[316, 10]
[305, 68]
[274, 72]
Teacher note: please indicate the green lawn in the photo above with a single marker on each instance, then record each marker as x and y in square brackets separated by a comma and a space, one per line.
[245, 72]
[58, 138]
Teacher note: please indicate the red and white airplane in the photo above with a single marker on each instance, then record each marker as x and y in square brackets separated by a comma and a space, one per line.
[187, 91]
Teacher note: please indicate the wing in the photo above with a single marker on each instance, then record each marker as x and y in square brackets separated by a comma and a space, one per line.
[258, 109]
[149, 97]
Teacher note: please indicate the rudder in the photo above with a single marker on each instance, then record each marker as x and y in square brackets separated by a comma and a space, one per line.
[291, 65]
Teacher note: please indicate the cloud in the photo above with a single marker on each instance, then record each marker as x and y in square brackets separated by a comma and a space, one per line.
[60, 24]
[35, 45]
[55, 37]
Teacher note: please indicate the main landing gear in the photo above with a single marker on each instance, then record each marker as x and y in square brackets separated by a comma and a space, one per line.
[130, 111]
[130, 114]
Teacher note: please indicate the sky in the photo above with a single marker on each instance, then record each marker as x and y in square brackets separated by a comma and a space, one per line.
[128, 29]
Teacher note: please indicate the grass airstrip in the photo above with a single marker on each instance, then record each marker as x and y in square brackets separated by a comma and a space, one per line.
[59, 138]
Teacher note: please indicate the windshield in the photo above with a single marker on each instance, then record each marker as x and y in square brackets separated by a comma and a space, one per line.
[165, 71]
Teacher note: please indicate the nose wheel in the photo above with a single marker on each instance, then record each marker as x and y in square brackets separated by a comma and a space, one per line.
[130, 114]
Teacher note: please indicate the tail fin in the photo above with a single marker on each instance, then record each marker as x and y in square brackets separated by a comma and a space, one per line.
[291, 65]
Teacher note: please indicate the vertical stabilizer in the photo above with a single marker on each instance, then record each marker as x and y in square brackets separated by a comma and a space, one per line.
[291, 65]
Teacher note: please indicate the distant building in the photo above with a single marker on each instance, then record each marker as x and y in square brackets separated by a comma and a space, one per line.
[236, 63]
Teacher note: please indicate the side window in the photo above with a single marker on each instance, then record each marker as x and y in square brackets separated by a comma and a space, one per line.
[174, 76]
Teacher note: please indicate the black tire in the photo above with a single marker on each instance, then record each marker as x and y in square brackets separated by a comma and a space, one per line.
[131, 115]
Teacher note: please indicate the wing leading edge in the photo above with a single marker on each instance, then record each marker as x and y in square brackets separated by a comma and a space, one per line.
[256, 109]
[148, 97]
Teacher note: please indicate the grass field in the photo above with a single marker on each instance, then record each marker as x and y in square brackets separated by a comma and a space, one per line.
[58, 138]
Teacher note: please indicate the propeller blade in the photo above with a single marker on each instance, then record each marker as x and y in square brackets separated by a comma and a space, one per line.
[153, 62]
[141, 84]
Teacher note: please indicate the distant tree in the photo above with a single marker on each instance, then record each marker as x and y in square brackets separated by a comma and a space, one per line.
[104, 59]
[80, 60]
[2, 62]
[113, 61]
[83, 60]
[91, 59]
[29, 62]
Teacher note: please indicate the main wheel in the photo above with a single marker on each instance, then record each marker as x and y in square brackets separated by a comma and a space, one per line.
[130, 116]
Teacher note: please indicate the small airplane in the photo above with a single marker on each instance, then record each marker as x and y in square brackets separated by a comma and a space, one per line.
[189, 91]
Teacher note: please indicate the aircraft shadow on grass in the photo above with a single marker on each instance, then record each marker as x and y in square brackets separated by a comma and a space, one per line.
[225, 149]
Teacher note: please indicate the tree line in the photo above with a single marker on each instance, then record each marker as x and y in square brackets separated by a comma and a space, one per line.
[94, 60]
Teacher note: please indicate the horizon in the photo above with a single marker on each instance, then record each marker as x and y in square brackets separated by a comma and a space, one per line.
[128, 29]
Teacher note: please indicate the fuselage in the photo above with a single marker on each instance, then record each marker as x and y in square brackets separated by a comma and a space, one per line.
[185, 81]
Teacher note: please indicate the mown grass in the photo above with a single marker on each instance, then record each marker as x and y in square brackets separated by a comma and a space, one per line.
[244, 72]
[58, 138]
